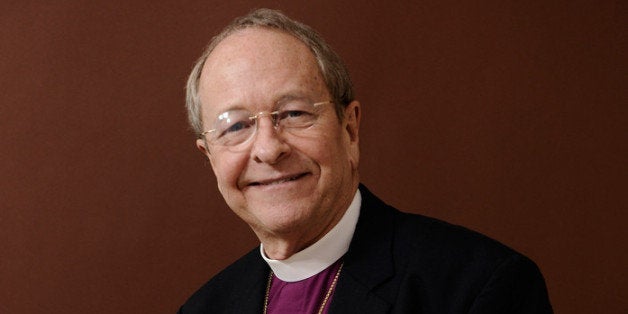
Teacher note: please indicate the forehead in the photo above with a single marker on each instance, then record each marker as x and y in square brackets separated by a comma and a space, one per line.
[258, 65]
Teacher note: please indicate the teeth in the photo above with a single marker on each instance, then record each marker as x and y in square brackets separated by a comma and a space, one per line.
[281, 181]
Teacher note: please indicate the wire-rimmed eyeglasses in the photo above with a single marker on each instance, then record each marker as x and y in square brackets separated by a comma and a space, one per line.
[234, 127]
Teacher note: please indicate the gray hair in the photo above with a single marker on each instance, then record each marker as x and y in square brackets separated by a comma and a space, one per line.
[333, 70]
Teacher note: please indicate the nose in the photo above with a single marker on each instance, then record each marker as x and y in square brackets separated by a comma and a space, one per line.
[268, 145]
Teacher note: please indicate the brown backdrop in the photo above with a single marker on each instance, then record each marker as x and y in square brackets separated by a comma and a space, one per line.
[508, 117]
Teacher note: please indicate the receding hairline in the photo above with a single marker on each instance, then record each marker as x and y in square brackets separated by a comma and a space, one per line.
[311, 56]
[296, 50]
[255, 28]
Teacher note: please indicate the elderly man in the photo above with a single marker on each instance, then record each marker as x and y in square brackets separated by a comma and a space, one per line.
[276, 117]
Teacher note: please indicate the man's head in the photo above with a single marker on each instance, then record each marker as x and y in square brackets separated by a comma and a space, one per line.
[333, 70]
[284, 182]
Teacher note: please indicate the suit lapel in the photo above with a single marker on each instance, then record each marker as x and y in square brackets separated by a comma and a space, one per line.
[368, 263]
[252, 282]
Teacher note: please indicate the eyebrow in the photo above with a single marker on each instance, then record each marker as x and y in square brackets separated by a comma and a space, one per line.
[277, 103]
[289, 97]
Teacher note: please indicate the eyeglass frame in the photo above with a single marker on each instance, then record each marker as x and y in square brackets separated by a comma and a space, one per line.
[274, 119]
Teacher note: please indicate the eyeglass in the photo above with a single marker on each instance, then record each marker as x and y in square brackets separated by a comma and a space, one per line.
[237, 126]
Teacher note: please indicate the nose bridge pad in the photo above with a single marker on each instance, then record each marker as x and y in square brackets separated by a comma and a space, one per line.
[274, 120]
[272, 115]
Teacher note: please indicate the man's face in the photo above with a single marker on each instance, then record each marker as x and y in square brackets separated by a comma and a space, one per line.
[280, 184]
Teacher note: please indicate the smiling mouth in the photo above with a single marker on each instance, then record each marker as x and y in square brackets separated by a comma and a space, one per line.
[278, 181]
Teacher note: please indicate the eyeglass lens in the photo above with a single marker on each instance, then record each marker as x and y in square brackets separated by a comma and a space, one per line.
[237, 126]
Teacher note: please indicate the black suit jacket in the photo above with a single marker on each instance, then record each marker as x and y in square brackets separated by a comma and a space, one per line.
[399, 263]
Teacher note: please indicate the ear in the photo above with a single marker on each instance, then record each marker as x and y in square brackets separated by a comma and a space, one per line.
[352, 127]
[352, 120]
[201, 145]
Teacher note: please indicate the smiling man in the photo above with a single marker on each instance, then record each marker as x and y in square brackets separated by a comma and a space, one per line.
[274, 110]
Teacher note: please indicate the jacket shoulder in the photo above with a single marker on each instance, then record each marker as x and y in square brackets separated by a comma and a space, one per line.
[434, 237]
[239, 282]
[438, 267]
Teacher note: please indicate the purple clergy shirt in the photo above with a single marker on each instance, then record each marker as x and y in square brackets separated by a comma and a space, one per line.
[302, 297]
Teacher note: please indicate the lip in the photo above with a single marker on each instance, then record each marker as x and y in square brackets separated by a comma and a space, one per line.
[276, 180]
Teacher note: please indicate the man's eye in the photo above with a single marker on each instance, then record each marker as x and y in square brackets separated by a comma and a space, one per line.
[235, 128]
[294, 114]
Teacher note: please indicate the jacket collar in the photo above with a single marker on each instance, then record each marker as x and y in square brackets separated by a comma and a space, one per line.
[253, 286]
[368, 263]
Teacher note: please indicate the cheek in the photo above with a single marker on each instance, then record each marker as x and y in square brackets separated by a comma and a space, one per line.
[332, 153]
[227, 171]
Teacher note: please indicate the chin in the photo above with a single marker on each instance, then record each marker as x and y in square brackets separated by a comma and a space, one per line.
[286, 220]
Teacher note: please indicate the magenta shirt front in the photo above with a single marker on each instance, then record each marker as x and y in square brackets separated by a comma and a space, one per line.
[302, 297]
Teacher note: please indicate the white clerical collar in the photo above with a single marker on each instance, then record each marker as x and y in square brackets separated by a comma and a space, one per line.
[320, 255]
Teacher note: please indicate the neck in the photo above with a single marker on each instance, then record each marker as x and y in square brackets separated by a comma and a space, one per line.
[282, 249]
